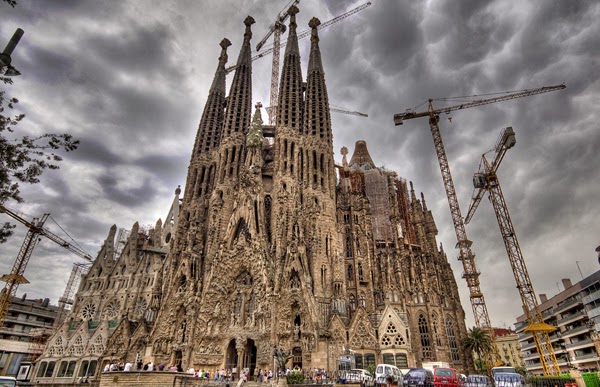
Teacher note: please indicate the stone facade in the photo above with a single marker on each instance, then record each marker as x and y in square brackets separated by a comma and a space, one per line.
[275, 246]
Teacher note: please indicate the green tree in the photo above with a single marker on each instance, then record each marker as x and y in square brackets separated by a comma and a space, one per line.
[23, 158]
[478, 341]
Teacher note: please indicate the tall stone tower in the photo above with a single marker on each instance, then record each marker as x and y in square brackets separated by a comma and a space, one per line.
[273, 246]
[273, 252]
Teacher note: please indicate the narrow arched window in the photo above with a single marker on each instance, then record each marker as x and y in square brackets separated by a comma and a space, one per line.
[425, 337]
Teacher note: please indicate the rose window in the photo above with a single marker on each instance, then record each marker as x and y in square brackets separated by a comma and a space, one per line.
[112, 310]
[140, 308]
[88, 311]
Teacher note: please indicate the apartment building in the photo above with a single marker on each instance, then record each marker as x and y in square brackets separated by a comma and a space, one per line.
[575, 312]
[28, 325]
[508, 346]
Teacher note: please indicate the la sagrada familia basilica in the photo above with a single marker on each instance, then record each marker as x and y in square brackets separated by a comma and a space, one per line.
[273, 244]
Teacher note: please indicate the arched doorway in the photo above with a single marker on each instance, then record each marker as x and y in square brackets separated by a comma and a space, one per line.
[178, 359]
[231, 357]
[297, 357]
[249, 356]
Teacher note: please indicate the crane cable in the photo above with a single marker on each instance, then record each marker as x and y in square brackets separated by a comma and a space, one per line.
[66, 233]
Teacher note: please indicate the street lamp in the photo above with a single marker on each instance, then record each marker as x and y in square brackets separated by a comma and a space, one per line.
[5, 58]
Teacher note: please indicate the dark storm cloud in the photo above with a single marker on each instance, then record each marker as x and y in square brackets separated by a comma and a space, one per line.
[129, 79]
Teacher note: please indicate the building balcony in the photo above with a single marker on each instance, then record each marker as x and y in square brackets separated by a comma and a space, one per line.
[13, 332]
[531, 356]
[33, 310]
[580, 344]
[571, 318]
[592, 313]
[547, 313]
[524, 336]
[589, 356]
[28, 323]
[568, 305]
[591, 297]
[520, 326]
[575, 331]
[527, 346]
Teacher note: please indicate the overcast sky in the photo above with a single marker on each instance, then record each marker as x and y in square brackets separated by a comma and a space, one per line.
[129, 79]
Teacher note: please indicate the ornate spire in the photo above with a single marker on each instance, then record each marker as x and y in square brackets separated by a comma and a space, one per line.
[209, 129]
[254, 138]
[317, 119]
[218, 84]
[289, 105]
[361, 155]
[239, 106]
[314, 62]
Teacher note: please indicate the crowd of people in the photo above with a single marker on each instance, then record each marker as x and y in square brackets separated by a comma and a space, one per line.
[220, 375]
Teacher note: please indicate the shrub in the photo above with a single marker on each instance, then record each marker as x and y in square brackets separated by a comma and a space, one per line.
[295, 377]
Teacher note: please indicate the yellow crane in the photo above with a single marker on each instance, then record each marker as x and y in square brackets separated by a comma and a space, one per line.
[486, 180]
[15, 278]
[471, 275]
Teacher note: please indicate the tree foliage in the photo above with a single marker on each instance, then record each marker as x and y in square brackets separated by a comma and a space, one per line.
[295, 377]
[23, 159]
[478, 341]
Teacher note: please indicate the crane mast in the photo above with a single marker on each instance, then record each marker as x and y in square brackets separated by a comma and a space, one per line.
[34, 232]
[487, 180]
[471, 275]
[276, 30]
[15, 278]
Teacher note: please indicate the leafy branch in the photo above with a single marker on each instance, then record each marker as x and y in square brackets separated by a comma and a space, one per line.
[23, 160]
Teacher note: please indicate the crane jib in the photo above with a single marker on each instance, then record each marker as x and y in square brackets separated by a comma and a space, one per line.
[410, 114]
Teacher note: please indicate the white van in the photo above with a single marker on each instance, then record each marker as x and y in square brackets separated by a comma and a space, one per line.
[7, 381]
[383, 370]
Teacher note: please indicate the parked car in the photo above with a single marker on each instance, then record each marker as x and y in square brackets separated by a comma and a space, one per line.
[478, 381]
[363, 377]
[506, 379]
[7, 381]
[447, 377]
[417, 377]
[383, 370]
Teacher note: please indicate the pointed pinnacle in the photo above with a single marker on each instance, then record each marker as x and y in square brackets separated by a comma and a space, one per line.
[248, 21]
[225, 43]
[314, 36]
[314, 23]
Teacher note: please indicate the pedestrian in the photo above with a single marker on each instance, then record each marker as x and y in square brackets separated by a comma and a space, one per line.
[127, 367]
[106, 367]
[388, 380]
[150, 366]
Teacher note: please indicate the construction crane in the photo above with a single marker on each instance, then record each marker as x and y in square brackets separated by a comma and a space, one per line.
[484, 180]
[342, 110]
[276, 30]
[66, 301]
[471, 275]
[15, 278]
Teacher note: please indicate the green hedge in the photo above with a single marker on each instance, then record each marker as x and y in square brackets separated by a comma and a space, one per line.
[549, 381]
